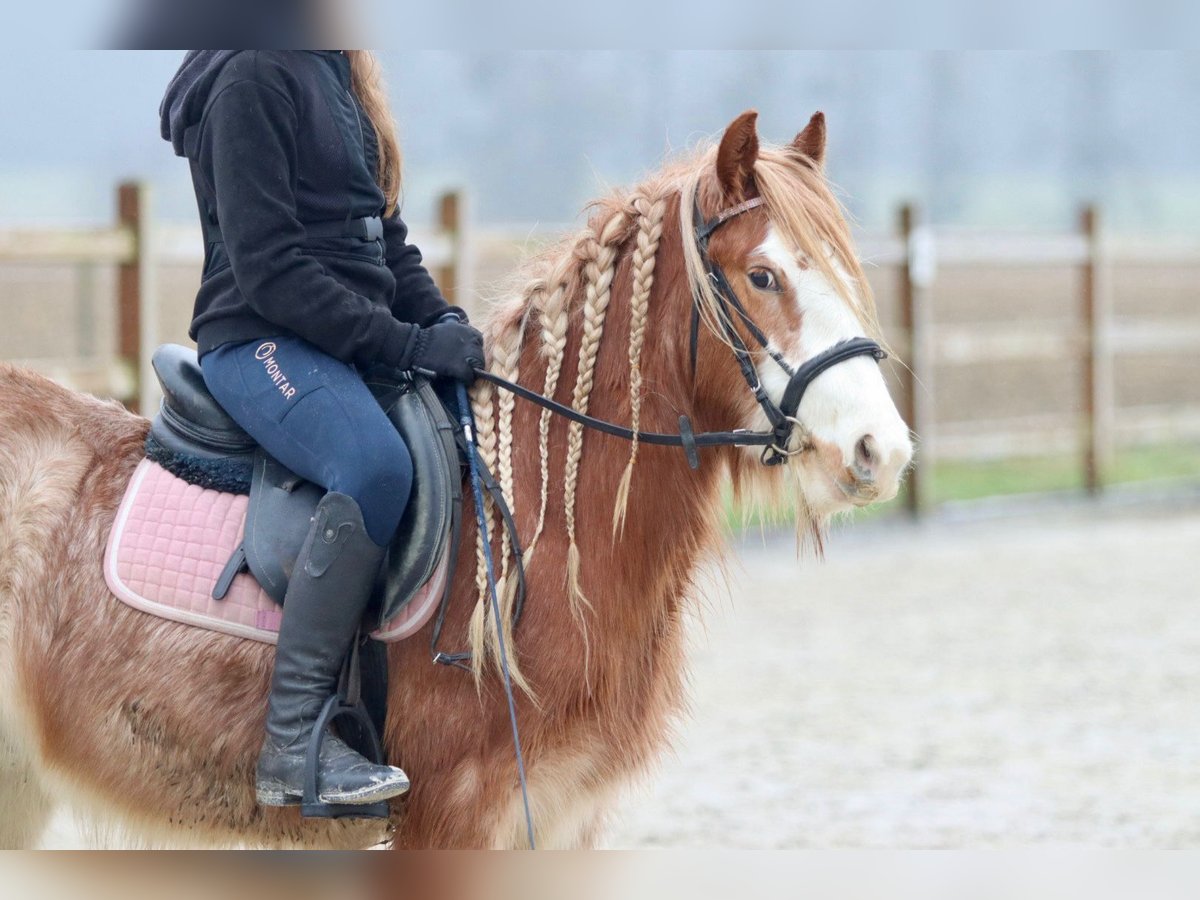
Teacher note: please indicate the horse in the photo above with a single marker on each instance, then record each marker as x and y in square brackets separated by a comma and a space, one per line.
[153, 727]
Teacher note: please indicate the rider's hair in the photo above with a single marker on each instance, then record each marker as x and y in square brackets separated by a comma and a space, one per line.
[366, 79]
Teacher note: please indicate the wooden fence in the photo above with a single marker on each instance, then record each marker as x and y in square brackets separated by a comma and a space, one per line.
[917, 252]
[137, 247]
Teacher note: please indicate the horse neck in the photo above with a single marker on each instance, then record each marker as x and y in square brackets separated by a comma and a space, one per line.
[634, 580]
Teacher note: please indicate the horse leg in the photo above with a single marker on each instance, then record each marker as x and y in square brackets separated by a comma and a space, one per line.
[25, 805]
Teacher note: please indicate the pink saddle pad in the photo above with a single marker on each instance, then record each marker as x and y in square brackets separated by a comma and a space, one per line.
[170, 541]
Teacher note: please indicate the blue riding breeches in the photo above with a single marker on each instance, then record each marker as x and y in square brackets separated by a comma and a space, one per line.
[315, 415]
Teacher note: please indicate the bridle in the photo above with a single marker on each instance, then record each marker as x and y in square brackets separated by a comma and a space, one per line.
[782, 416]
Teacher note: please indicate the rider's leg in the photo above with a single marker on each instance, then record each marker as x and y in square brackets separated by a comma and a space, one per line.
[315, 415]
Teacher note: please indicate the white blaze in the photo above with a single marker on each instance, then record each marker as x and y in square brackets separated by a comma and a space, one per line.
[849, 400]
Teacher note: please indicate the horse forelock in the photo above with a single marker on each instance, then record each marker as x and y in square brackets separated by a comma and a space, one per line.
[801, 205]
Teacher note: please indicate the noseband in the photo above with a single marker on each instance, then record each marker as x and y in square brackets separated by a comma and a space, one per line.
[783, 416]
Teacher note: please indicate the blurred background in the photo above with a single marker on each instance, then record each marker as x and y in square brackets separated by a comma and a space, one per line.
[1032, 220]
[1002, 655]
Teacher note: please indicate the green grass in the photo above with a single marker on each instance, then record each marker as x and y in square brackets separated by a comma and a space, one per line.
[976, 480]
[970, 481]
[973, 480]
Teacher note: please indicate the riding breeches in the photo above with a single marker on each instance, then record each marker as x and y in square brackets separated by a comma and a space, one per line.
[314, 414]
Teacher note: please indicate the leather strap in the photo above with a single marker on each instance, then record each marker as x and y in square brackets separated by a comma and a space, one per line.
[492, 486]
[838, 353]
[365, 228]
[739, 438]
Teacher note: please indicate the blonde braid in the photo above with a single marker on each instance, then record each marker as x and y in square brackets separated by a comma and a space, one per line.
[506, 358]
[649, 234]
[506, 355]
[599, 255]
[555, 318]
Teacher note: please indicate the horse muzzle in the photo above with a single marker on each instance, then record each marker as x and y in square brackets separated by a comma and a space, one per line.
[876, 469]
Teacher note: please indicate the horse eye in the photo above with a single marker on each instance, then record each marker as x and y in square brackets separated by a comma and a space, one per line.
[764, 280]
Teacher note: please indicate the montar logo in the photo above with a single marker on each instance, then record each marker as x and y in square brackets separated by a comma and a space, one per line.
[264, 354]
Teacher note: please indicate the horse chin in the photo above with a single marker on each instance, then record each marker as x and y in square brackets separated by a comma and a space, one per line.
[822, 494]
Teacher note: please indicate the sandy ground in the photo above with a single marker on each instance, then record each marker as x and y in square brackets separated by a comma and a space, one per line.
[967, 684]
[957, 684]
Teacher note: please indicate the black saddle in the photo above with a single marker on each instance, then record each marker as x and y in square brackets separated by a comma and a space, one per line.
[194, 438]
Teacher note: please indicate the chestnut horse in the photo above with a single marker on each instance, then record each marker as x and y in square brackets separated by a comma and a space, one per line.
[154, 726]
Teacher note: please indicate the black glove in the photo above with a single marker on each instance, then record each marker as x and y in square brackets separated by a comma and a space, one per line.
[449, 349]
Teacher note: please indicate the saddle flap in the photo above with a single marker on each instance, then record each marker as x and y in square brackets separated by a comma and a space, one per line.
[277, 521]
[431, 520]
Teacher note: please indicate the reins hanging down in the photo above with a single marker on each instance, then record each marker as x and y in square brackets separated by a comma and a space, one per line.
[466, 420]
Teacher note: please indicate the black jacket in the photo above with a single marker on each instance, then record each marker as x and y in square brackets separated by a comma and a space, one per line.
[276, 139]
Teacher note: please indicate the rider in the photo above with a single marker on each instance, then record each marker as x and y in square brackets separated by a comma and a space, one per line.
[308, 280]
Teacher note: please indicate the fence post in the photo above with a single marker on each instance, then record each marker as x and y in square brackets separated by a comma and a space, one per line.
[450, 223]
[916, 317]
[137, 312]
[1098, 400]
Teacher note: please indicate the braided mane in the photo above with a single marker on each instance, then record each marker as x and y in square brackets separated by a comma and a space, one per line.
[571, 284]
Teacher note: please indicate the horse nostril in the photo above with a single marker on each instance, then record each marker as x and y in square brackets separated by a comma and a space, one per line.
[866, 455]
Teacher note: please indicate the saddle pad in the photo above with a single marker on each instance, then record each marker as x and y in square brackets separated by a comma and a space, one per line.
[169, 542]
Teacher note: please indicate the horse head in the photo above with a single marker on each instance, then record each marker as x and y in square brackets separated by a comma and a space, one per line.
[775, 279]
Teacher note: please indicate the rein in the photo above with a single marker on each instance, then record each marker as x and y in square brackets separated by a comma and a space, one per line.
[467, 422]
[782, 416]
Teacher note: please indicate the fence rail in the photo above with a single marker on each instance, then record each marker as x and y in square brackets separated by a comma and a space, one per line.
[138, 246]
[1087, 332]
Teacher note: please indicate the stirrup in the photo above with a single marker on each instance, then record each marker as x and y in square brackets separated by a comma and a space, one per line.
[346, 702]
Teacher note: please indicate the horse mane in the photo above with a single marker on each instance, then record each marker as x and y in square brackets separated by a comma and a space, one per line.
[572, 281]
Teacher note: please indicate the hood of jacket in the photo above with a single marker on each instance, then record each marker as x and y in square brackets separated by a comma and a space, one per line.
[183, 103]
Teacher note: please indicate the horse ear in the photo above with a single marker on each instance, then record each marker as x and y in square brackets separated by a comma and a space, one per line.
[811, 141]
[736, 156]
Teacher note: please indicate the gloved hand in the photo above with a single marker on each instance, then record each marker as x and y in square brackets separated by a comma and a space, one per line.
[449, 349]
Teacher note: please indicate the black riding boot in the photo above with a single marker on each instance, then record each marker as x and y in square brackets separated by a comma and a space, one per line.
[328, 592]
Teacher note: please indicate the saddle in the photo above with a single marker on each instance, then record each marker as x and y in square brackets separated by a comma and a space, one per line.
[193, 438]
